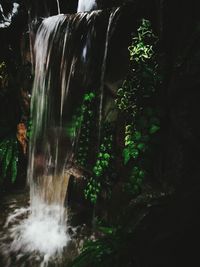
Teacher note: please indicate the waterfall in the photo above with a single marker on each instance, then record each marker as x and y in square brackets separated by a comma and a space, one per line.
[50, 149]
[103, 68]
[45, 230]
[86, 5]
[66, 66]
[46, 165]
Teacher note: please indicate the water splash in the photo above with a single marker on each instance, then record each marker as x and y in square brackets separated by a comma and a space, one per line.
[32, 236]
[42, 232]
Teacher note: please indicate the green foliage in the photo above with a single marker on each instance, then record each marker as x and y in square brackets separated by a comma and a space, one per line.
[115, 247]
[135, 181]
[83, 113]
[143, 75]
[133, 144]
[73, 127]
[126, 95]
[82, 126]
[141, 49]
[8, 159]
[98, 252]
[119, 245]
[100, 169]
[92, 190]
[136, 98]
[89, 97]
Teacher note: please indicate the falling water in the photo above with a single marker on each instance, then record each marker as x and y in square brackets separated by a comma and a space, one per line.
[45, 229]
[86, 5]
[58, 6]
[46, 165]
[103, 68]
[7, 19]
[62, 43]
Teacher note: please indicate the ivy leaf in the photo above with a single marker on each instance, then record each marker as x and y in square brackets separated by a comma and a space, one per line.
[135, 170]
[6, 161]
[128, 128]
[128, 137]
[153, 129]
[120, 92]
[106, 156]
[14, 164]
[141, 146]
[129, 143]
[141, 174]
[106, 230]
[126, 155]
[137, 135]
[135, 153]
[92, 95]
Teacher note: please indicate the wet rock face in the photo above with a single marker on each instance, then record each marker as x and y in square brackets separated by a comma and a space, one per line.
[47, 8]
[180, 43]
[112, 3]
[13, 21]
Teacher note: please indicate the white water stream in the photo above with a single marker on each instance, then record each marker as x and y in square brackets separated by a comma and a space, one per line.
[41, 231]
[86, 5]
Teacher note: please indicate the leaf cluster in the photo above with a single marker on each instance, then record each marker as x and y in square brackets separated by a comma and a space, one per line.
[136, 98]
[8, 159]
[100, 169]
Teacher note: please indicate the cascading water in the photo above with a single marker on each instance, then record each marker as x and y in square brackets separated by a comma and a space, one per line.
[7, 19]
[45, 230]
[64, 46]
[103, 68]
[86, 5]
[58, 6]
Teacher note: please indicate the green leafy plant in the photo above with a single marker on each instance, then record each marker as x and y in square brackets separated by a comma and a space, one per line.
[8, 159]
[82, 126]
[141, 49]
[83, 123]
[100, 169]
[83, 113]
[136, 98]
[112, 248]
[99, 252]
[118, 245]
[92, 190]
